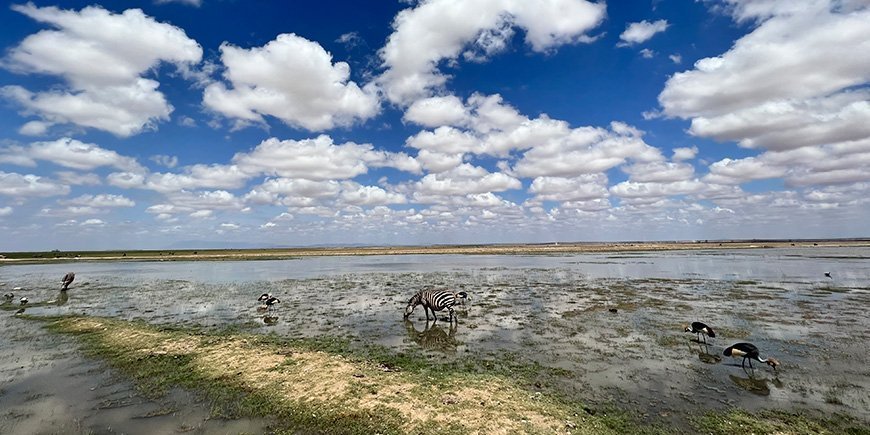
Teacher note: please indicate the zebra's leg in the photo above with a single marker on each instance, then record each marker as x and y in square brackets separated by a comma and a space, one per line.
[450, 309]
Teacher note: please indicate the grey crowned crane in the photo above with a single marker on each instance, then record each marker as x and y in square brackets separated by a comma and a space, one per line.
[268, 300]
[263, 298]
[67, 280]
[701, 329]
[749, 352]
[272, 301]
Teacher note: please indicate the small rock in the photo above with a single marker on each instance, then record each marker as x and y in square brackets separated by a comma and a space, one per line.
[449, 399]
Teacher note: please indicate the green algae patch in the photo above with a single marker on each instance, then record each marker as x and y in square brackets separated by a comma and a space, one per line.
[778, 422]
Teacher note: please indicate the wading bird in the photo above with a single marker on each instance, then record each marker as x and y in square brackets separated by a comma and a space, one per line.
[749, 352]
[828, 274]
[272, 300]
[263, 298]
[701, 329]
[67, 280]
[435, 300]
[23, 300]
[8, 297]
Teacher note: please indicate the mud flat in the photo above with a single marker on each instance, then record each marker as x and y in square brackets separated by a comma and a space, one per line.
[589, 343]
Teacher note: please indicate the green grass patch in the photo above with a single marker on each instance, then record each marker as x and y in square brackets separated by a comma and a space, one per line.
[778, 422]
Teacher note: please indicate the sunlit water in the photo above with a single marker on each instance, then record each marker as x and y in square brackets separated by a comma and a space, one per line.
[553, 310]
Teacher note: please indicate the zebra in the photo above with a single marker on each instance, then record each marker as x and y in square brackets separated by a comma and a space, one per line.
[435, 300]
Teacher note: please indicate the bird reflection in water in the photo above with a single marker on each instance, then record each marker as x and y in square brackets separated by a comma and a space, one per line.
[754, 384]
[433, 337]
[703, 351]
[270, 320]
[62, 298]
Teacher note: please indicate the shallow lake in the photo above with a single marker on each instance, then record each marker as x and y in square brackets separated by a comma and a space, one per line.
[556, 311]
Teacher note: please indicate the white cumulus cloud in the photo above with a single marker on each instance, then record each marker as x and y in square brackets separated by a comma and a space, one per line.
[637, 33]
[102, 57]
[795, 80]
[292, 79]
[421, 40]
[319, 159]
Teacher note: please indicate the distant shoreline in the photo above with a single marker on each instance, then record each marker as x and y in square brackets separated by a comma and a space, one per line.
[480, 249]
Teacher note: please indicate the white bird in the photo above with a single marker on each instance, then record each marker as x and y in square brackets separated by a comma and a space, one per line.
[23, 300]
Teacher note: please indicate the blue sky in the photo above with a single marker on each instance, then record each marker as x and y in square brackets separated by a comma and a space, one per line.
[198, 123]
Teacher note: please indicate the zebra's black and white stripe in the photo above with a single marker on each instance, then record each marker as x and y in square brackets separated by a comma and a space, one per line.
[435, 300]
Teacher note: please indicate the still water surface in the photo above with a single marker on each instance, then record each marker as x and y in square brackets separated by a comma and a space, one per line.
[550, 310]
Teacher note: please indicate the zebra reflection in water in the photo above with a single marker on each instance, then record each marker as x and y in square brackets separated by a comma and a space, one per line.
[433, 337]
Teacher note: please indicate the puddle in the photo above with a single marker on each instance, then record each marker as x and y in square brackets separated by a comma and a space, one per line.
[46, 386]
[613, 325]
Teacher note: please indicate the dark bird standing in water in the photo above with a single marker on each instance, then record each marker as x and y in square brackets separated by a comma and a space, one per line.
[828, 274]
[268, 300]
[8, 297]
[263, 298]
[700, 328]
[749, 352]
[67, 280]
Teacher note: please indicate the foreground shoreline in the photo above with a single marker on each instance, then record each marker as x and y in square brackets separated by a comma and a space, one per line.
[499, 249]
[377, 391]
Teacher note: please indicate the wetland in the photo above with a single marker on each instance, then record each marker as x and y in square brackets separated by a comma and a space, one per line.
[560, 343]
